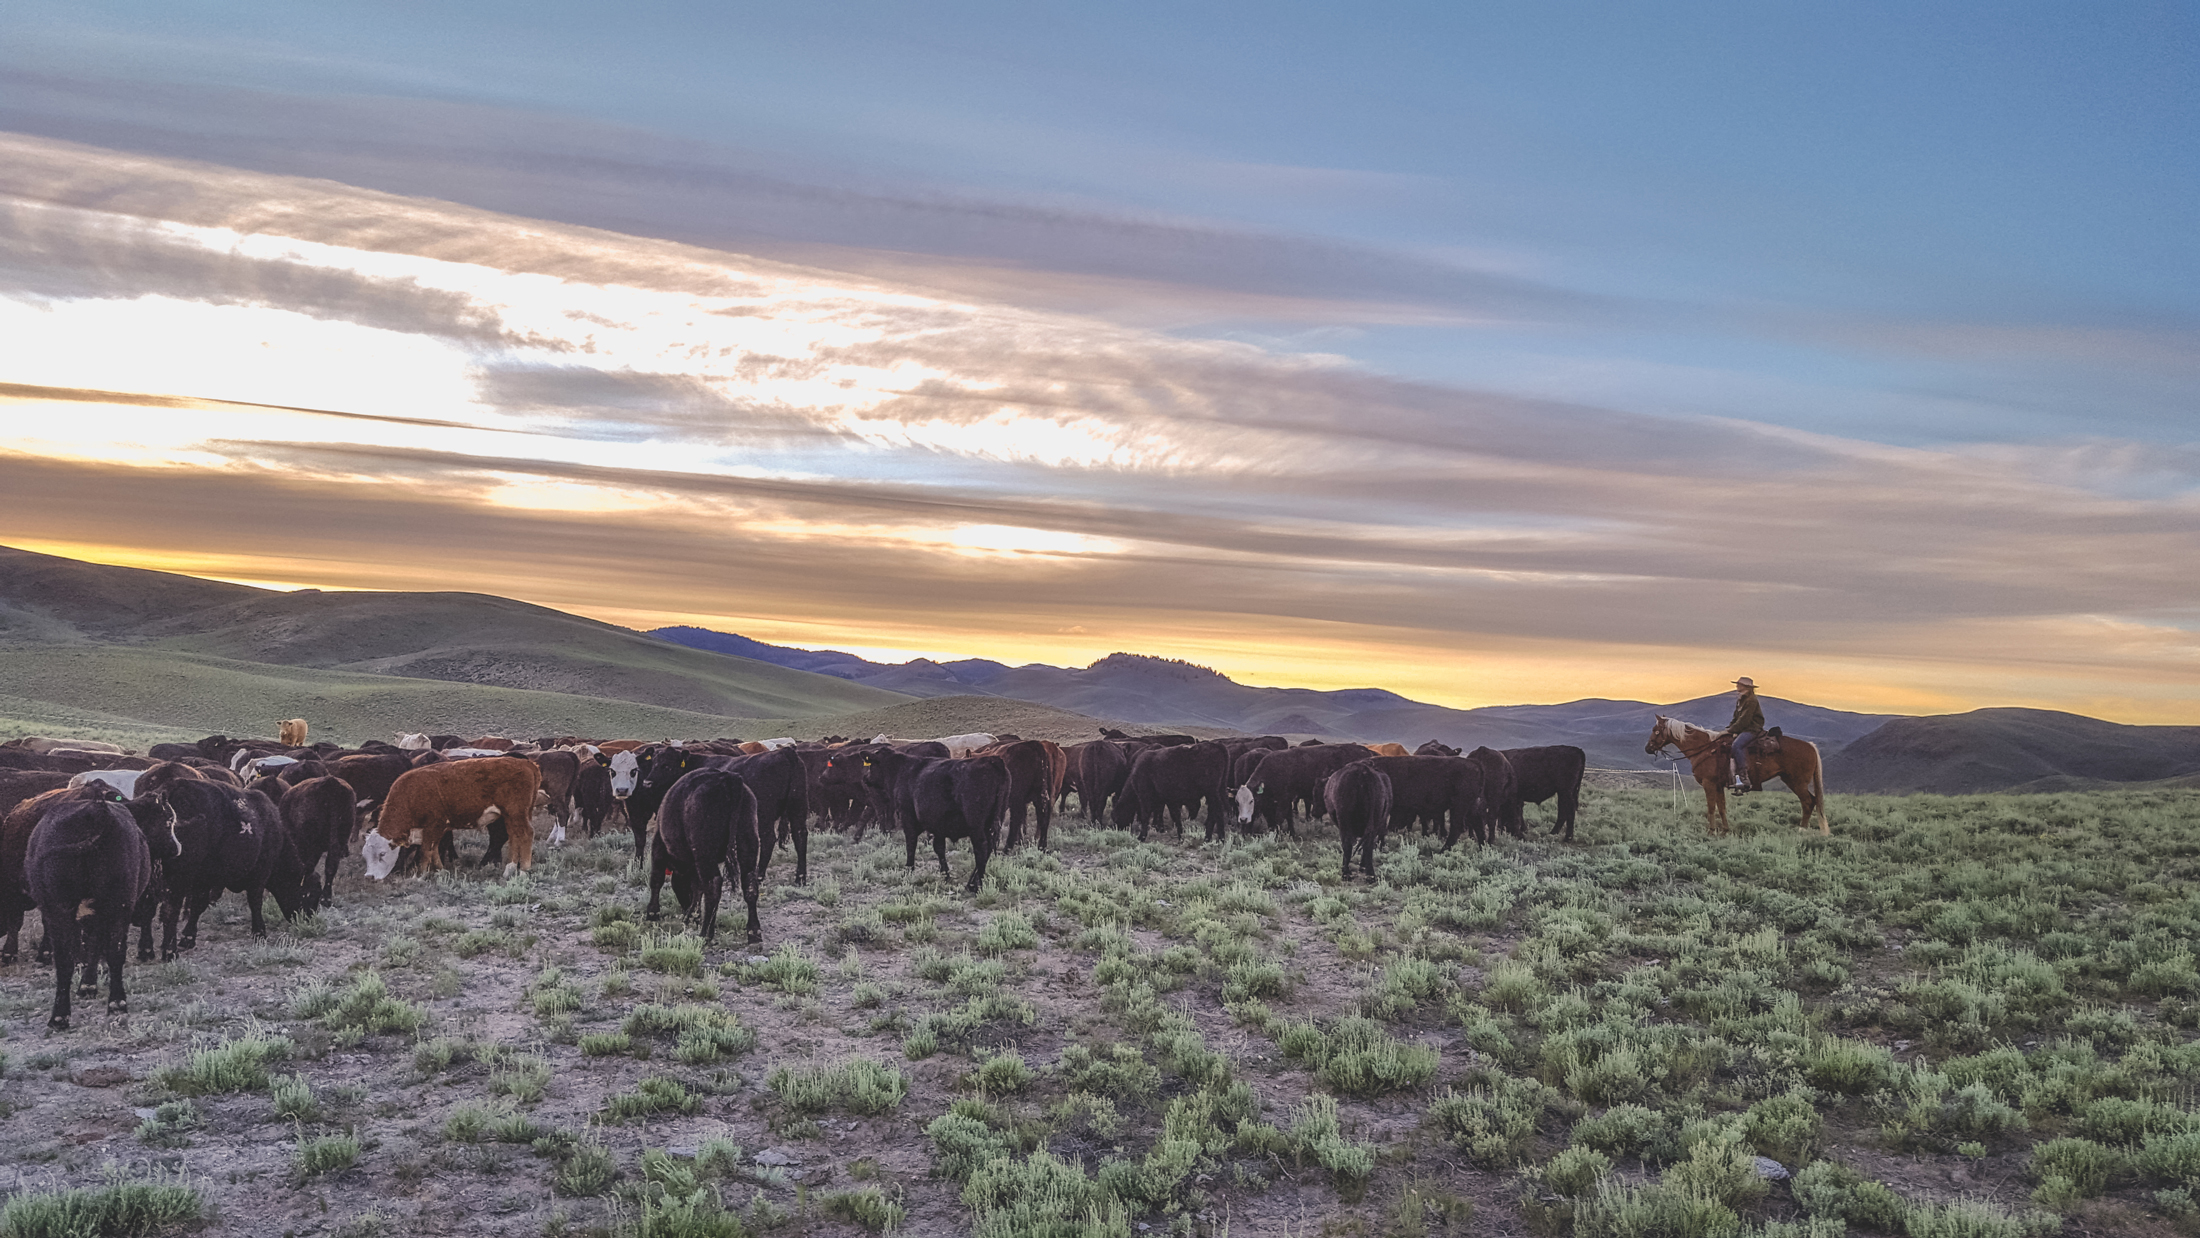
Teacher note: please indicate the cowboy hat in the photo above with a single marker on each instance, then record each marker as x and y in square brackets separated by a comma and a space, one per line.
[1745, 682]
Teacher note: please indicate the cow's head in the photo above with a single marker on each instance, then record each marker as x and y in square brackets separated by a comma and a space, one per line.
[626, 771]
[1245, 804]
[666, 768]
[156, 820]
[380, 854]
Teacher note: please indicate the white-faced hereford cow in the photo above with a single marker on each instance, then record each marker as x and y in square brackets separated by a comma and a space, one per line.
[429, 801]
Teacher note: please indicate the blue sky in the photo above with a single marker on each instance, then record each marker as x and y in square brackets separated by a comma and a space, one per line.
[1712, 239]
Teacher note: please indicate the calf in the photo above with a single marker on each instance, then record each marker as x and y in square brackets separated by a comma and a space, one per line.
[318, 815]
[708, 821]
[949, 797]
[429, 801]
[561, 771]
[89, 864]
[1359, 801]
[1540, 774]
[592, 794]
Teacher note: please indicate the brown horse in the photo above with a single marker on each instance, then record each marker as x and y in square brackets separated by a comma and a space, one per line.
[1794, 762]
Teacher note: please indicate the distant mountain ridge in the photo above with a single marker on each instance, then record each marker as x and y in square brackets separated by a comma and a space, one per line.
[2007, 749]
[1170, 692]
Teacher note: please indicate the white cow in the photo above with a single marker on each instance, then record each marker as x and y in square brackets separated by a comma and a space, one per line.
[123, 780]
[964, 745]
[412, 741]
[774, 745]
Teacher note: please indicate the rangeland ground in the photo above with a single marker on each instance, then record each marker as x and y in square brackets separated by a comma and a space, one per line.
[1955, 1017]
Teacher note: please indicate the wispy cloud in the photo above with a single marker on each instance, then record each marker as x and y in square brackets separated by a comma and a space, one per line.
[348, 386]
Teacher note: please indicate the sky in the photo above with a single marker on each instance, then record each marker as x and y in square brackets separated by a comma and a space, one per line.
[1489, 354]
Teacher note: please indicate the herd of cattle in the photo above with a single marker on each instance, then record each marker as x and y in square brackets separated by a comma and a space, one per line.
[109, 840]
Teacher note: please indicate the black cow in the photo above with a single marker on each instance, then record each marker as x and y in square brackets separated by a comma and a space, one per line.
[592, 794]
[1245, 762]
[1541, 773]
[1176, 780]
[1165, 741]
[1103, 765]
[1499, 787]
[232, 840]
[372, 776]
[1445, 791]
[1359, 801]
[1435, 749]
[89, 865]
[947, 797]
[1028, 771]
[708, 821]
[1285, 780]
[777, 779]
[318, 814]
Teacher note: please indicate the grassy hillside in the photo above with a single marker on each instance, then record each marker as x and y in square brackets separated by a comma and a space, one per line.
[1996, 749]
[466, 638]
[169, 695]
[136, 696]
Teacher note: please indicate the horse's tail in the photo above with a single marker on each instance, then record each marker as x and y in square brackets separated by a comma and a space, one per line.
[1818, 788]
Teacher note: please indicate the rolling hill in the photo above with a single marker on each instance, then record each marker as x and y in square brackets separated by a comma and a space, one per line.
[2012, 750]
[467, 638]
[1161, 692]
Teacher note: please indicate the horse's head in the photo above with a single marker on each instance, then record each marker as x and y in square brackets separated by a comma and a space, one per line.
[1659, 737]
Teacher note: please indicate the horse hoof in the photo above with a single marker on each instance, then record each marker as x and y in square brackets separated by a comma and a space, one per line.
[510, 870]
[58, 1023]
[118, 1007]
[145, 956]
[87, 990]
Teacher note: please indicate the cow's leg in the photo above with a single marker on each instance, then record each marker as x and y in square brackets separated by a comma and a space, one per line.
[168, 908]
[89, 947]
[939, 848]
[1368, 843]
[1344, 837]
[1015, 825]
[714, 883]
[522, 833]
[802, 851]
[1046, 818]
[752, 884]
[253, 895]
[193, 909]
[11, 927]
[1568, 803]
[659, 868]
[909, 835]
[115, 933]
[981, 848]
[62, 934]
[641, 836]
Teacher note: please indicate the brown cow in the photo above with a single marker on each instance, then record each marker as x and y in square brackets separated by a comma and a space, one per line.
[1387, 750]
[495, 742]
[292, 733]
[1034, 776]
[426, 802]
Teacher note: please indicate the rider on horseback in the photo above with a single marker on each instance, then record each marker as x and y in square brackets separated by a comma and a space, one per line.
[1748, 724]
